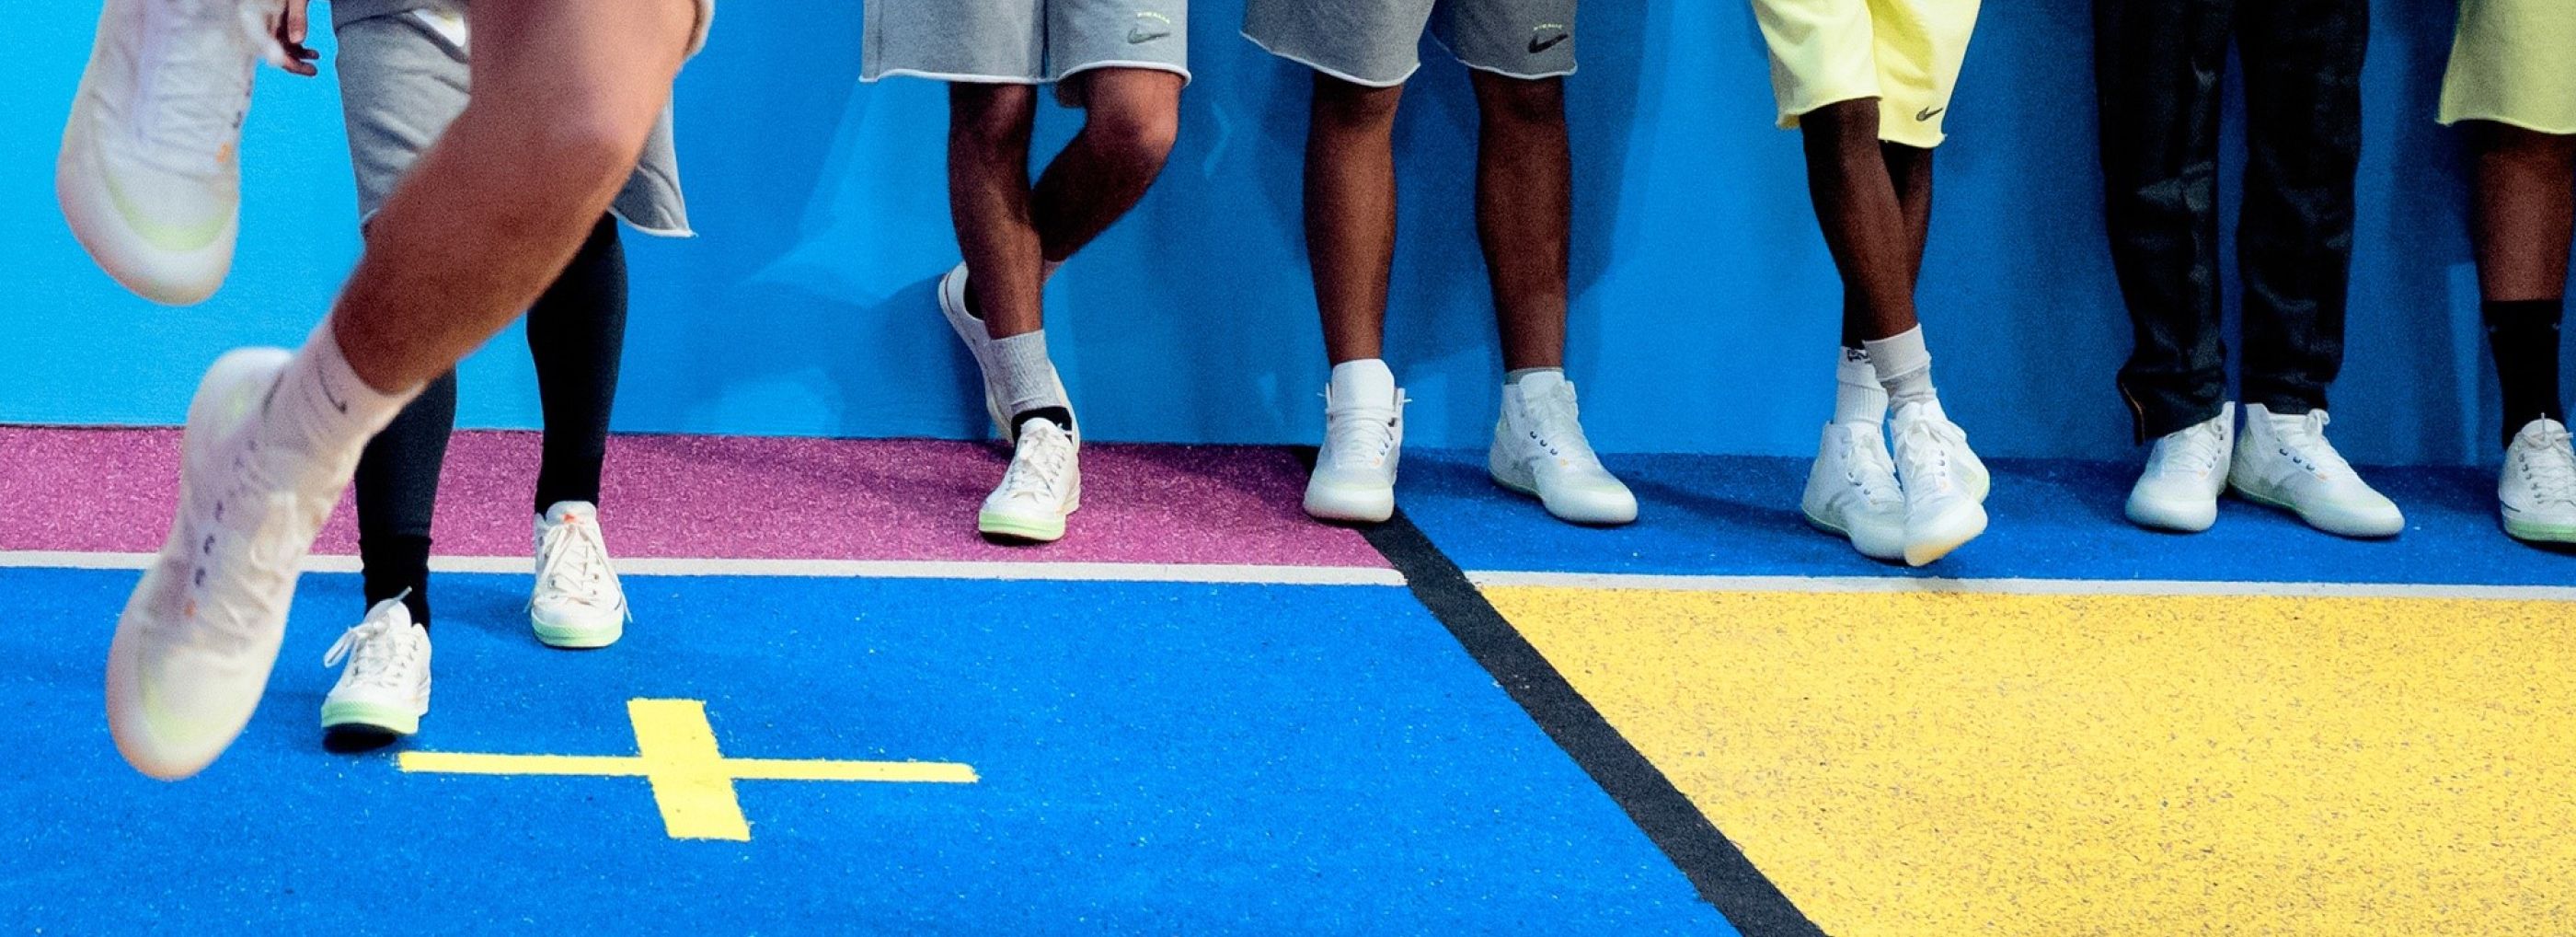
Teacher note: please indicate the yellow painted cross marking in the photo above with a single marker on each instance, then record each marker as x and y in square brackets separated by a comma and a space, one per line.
[692, 780]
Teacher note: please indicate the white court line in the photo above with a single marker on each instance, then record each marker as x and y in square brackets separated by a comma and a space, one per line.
[2017, 586]
[828, 569]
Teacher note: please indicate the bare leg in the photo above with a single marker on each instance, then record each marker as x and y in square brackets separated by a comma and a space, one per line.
[1876, 245]
[988, 200]
[1132, 116]
[1525, 212]
[1350, 212]
[2525, 211]
[565, 92]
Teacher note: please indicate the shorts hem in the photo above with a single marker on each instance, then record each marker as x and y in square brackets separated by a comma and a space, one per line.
[969, 78]
[1524, 76]
[2492, 117]
[1335, 72]
[1181, 70]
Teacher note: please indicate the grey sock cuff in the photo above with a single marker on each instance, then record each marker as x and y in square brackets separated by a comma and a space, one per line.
[1023, 375]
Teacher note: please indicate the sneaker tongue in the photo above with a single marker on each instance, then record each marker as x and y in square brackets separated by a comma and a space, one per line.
[565, 512]
[1365, 383]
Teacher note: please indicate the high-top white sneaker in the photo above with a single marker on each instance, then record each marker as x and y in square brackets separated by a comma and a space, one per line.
[1539, 450]
[386, 686]
[2186, 471]
[1043, 485]
[2537, 492]
[149, 173]
[196, 641]
[2284, 461]
[577, 602]
[1945, 484]
[970, 330]
[1852, 491]
[1354, 478]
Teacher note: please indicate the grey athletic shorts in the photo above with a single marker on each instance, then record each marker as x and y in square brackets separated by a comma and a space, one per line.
[1023, 41]
[404, 76]
[1373, 42]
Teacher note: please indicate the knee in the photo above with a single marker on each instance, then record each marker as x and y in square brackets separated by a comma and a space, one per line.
[1131, 135]
[1521, 100]
[1343, 105]
[588, 150]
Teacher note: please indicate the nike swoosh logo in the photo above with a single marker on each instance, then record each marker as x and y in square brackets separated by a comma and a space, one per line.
[1928, 113]
[331, 398]
[1538, 45]
[1140, 35]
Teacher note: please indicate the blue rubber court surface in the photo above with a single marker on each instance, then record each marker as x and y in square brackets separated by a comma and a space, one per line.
[1148, 758]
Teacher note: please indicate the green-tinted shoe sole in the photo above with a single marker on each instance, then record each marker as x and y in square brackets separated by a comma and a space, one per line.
[391, 720]
[2540, 533]
[576, 639]
[1003, 525]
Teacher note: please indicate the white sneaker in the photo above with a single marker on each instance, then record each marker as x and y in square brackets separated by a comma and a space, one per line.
[1043, 485]
[1539, 450]
[1354, 477]
[386, 686]
[2538, 490]
[2285, 462]
[1945, 484]
[1852, 491]
[149, 174]
[970, 330]
[577, 602]
[2186, 472]
[195, 643]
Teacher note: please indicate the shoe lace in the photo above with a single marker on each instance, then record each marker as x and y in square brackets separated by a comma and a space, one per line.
[1923, 445]
[1040, 463]
[1360, 436]
[193, 82]
[2303, 442]
[1556, 425]
[1868, 471]
[375, 651]
[2195, 451]
[572, 562]
[2550, 465]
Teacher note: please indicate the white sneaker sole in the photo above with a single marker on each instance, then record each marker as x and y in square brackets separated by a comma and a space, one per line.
[2338, 524]
[1611, 513]
[1950, 532]
[2534, 532]
[1350, 504]
[2167, 515]
[576, 637]
[1888, 547]
[225, 398]
[387, 718]
[1031, 528]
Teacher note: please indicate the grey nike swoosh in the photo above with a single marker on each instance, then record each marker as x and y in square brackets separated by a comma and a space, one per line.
[1139, 35]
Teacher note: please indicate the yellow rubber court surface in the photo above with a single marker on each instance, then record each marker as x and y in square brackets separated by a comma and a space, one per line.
[1911, 762]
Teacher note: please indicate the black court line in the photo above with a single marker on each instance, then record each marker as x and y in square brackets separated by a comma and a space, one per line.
[1719, 870]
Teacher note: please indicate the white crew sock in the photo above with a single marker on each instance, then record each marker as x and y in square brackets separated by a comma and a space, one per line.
[1903, 367]
[1024, 376]
[321, 410]
[1857, 396]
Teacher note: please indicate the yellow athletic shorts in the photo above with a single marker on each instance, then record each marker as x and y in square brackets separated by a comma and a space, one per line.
[1906, 53]
[2514, 62]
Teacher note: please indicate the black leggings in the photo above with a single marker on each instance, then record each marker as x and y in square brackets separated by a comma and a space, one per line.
[576, 331]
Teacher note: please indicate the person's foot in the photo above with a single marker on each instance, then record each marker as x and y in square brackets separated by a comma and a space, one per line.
[1354, 478]
[2284, 461]
[385, 688]
[2186, 472]
[2537, 493]
[148, 175]
[1852, 491]
[196, 641]
[1539, 450]
[961, 318]
[1945, 484]
[577, 602]
[1044, 485]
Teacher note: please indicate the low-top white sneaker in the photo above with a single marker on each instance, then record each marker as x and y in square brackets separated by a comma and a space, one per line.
[2186, 472]
[386, 685]
[1043, 485]
[2537, 492]
[2284, 461]
[1852, 491]
[149, 175]
[195, 644]
[1354, 478]
[1539, 450]
[1945, 484]
[979, 342]
[577, 602]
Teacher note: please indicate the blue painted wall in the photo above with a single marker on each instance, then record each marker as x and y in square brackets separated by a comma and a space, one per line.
[1705, 302]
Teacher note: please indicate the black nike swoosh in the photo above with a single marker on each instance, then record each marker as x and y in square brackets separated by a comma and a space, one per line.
[1928, 113]
[1537, 45]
